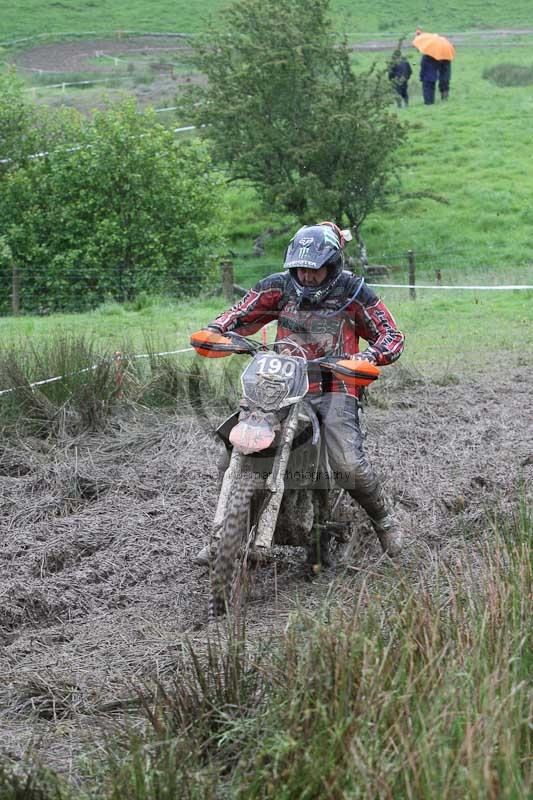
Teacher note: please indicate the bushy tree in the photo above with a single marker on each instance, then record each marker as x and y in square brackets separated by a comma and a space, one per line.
[16, 117]
[126, 209]
[287, 112]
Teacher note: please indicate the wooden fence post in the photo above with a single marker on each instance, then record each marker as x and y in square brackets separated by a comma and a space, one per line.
[119, 375]
[226, 270]
[15, 291]
[411, 281]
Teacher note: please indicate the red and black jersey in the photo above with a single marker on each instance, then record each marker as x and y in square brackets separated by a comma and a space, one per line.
[333, 328]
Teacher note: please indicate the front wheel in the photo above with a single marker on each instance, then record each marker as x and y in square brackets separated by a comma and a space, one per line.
[237, 530]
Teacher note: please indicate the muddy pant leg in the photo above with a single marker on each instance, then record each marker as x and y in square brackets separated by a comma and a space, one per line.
[344, 443]
[352, 471]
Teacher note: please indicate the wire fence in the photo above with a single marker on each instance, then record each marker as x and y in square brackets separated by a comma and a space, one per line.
[76, 147]
[31, 290]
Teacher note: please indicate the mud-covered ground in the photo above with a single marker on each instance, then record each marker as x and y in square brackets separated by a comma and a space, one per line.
[104, 57]
[98, 591]
[76, 56]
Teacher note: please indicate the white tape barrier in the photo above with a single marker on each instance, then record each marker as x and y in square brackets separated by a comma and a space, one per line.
[164, 353]
[77, 83]
[92, 368]
[103, 34]
[507, 287]
[190, 349]
[77, 147]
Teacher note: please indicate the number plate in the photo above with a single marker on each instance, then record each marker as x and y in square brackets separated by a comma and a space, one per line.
[273, 381]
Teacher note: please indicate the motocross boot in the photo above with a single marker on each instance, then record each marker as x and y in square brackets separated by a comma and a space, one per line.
[389, 533]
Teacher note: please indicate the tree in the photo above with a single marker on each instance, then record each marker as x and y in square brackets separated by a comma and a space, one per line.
[287, 112]
[16, 117]
[126, 209]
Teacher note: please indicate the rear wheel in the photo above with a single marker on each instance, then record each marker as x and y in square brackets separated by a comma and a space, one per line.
[237, 537]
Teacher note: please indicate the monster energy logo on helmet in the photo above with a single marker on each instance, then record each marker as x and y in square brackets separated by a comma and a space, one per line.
[313, 247]
[331, 237]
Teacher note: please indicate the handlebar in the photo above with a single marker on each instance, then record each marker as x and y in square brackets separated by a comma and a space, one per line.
[211, 344]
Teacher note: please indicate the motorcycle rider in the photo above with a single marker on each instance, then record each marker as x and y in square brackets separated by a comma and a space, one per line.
[326, 310]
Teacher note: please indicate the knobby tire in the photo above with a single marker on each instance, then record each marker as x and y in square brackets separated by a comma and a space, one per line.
[235, 533]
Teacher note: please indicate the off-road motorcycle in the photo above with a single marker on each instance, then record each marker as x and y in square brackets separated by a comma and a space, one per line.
[278, 488]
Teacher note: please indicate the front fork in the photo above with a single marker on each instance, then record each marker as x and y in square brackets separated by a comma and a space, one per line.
[275, 484]
[229, 481]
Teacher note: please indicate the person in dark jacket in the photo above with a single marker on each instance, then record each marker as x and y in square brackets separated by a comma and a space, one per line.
[325, 309]
[399, 73]
[445, 74]
[429, 75]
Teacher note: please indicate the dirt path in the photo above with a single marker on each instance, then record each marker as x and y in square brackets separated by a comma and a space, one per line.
[77, 56]
[97, 585]
[128, 61]
[480, 38]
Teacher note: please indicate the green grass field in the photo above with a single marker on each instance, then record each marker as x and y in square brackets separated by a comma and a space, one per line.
[407, 685]
[471, 154]
[447, 331]
[36, 17]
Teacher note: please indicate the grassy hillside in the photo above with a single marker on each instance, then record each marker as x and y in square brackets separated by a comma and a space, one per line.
[473, 154]
[39, 16]
[464, 203]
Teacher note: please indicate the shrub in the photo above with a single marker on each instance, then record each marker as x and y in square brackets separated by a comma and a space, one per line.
[128, 210]
[509, 75]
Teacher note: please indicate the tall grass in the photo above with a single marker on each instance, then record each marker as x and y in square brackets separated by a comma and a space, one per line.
[404, 689]
[35, 784]
[400, 687]
[89, 383]
[81, 399]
